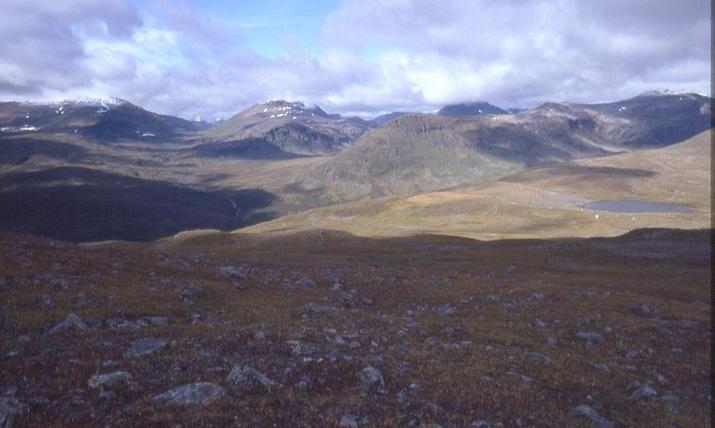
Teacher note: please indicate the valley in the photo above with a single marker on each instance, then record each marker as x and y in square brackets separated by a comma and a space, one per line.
[549, 267]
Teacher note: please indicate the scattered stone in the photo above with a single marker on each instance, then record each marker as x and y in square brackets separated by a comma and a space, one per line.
[106, 396]
[643, 310]
[143, 347]
[10, 406]
[538, 296]
[641, 391]
[304, 348]
[305, 282]
[232, 272]
[247, 378]
[47, 301]
[318, 308]
[193, 394]
[109, 380]
[591, 337]
[552, 341]
[509, 306]
[23, 340]
[156, 320]
[348, 300]
[480, 424]
[371, 376]
[587, 412]
[350, 421]
[533, 355]
[191, 292]
[80, 301]
[72, 322]
[445, 310]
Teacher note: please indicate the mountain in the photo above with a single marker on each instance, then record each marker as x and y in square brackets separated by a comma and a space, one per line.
[470, 109]
[102, 119]
[385, 118]
[288, 127]
[420, 152]
[545, 202]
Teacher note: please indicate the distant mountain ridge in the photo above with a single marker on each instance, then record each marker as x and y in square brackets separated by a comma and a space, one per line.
[470, 109]
[289, 127]
[419, 152]
[103, 118]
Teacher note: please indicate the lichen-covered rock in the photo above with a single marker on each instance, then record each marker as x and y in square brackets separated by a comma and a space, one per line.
[588, 413]
[143, 347]
[109, 380]
[72, 322]
[192, 394]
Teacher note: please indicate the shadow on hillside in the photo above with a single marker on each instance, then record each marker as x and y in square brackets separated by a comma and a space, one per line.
[82, 205]
[18, 150]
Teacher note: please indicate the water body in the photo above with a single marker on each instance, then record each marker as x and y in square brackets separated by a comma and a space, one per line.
[636, 206]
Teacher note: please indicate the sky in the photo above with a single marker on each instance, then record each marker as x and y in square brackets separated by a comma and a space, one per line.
[210, 59]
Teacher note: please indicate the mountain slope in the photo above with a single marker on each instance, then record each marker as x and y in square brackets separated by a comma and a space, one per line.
[470, 109]
[290, 127]
[388, 117]
[543, 202]
[102, 119]
[419, 152]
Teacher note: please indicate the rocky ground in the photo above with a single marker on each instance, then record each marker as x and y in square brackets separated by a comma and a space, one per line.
[330, 330]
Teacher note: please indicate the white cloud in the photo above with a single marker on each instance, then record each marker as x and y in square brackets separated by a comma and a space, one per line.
[375, 56]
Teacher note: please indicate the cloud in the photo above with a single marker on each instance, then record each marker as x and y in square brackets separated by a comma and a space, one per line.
[516, 52]
[42, 41]
[374, 55]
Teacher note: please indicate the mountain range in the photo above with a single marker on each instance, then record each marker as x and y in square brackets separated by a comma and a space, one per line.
[58, 160]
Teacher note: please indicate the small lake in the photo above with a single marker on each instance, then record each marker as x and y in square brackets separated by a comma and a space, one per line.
[635, 206]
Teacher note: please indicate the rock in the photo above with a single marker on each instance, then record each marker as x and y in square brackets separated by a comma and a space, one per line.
[47, 301]
[106, 396]
[552, 341]
[305, 348]
[193, 394]
[371, 376]
[72, 322]
[509, 306]
[109, 380]
[191, 292]
[232, 272]
[643, 310]
[122, 324]
[348, 300]
[318, 308]
[305, 282]
[445, 310]
[480, 424]
[588, 413]
[10, 406]
[533, 355]
[350, 421]
[247, 378]
[539, 323]
[641, 391]
[24, 339]
[591, 337]
[143, 347]
[538, 296]
[80, 301]
[156, 320]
